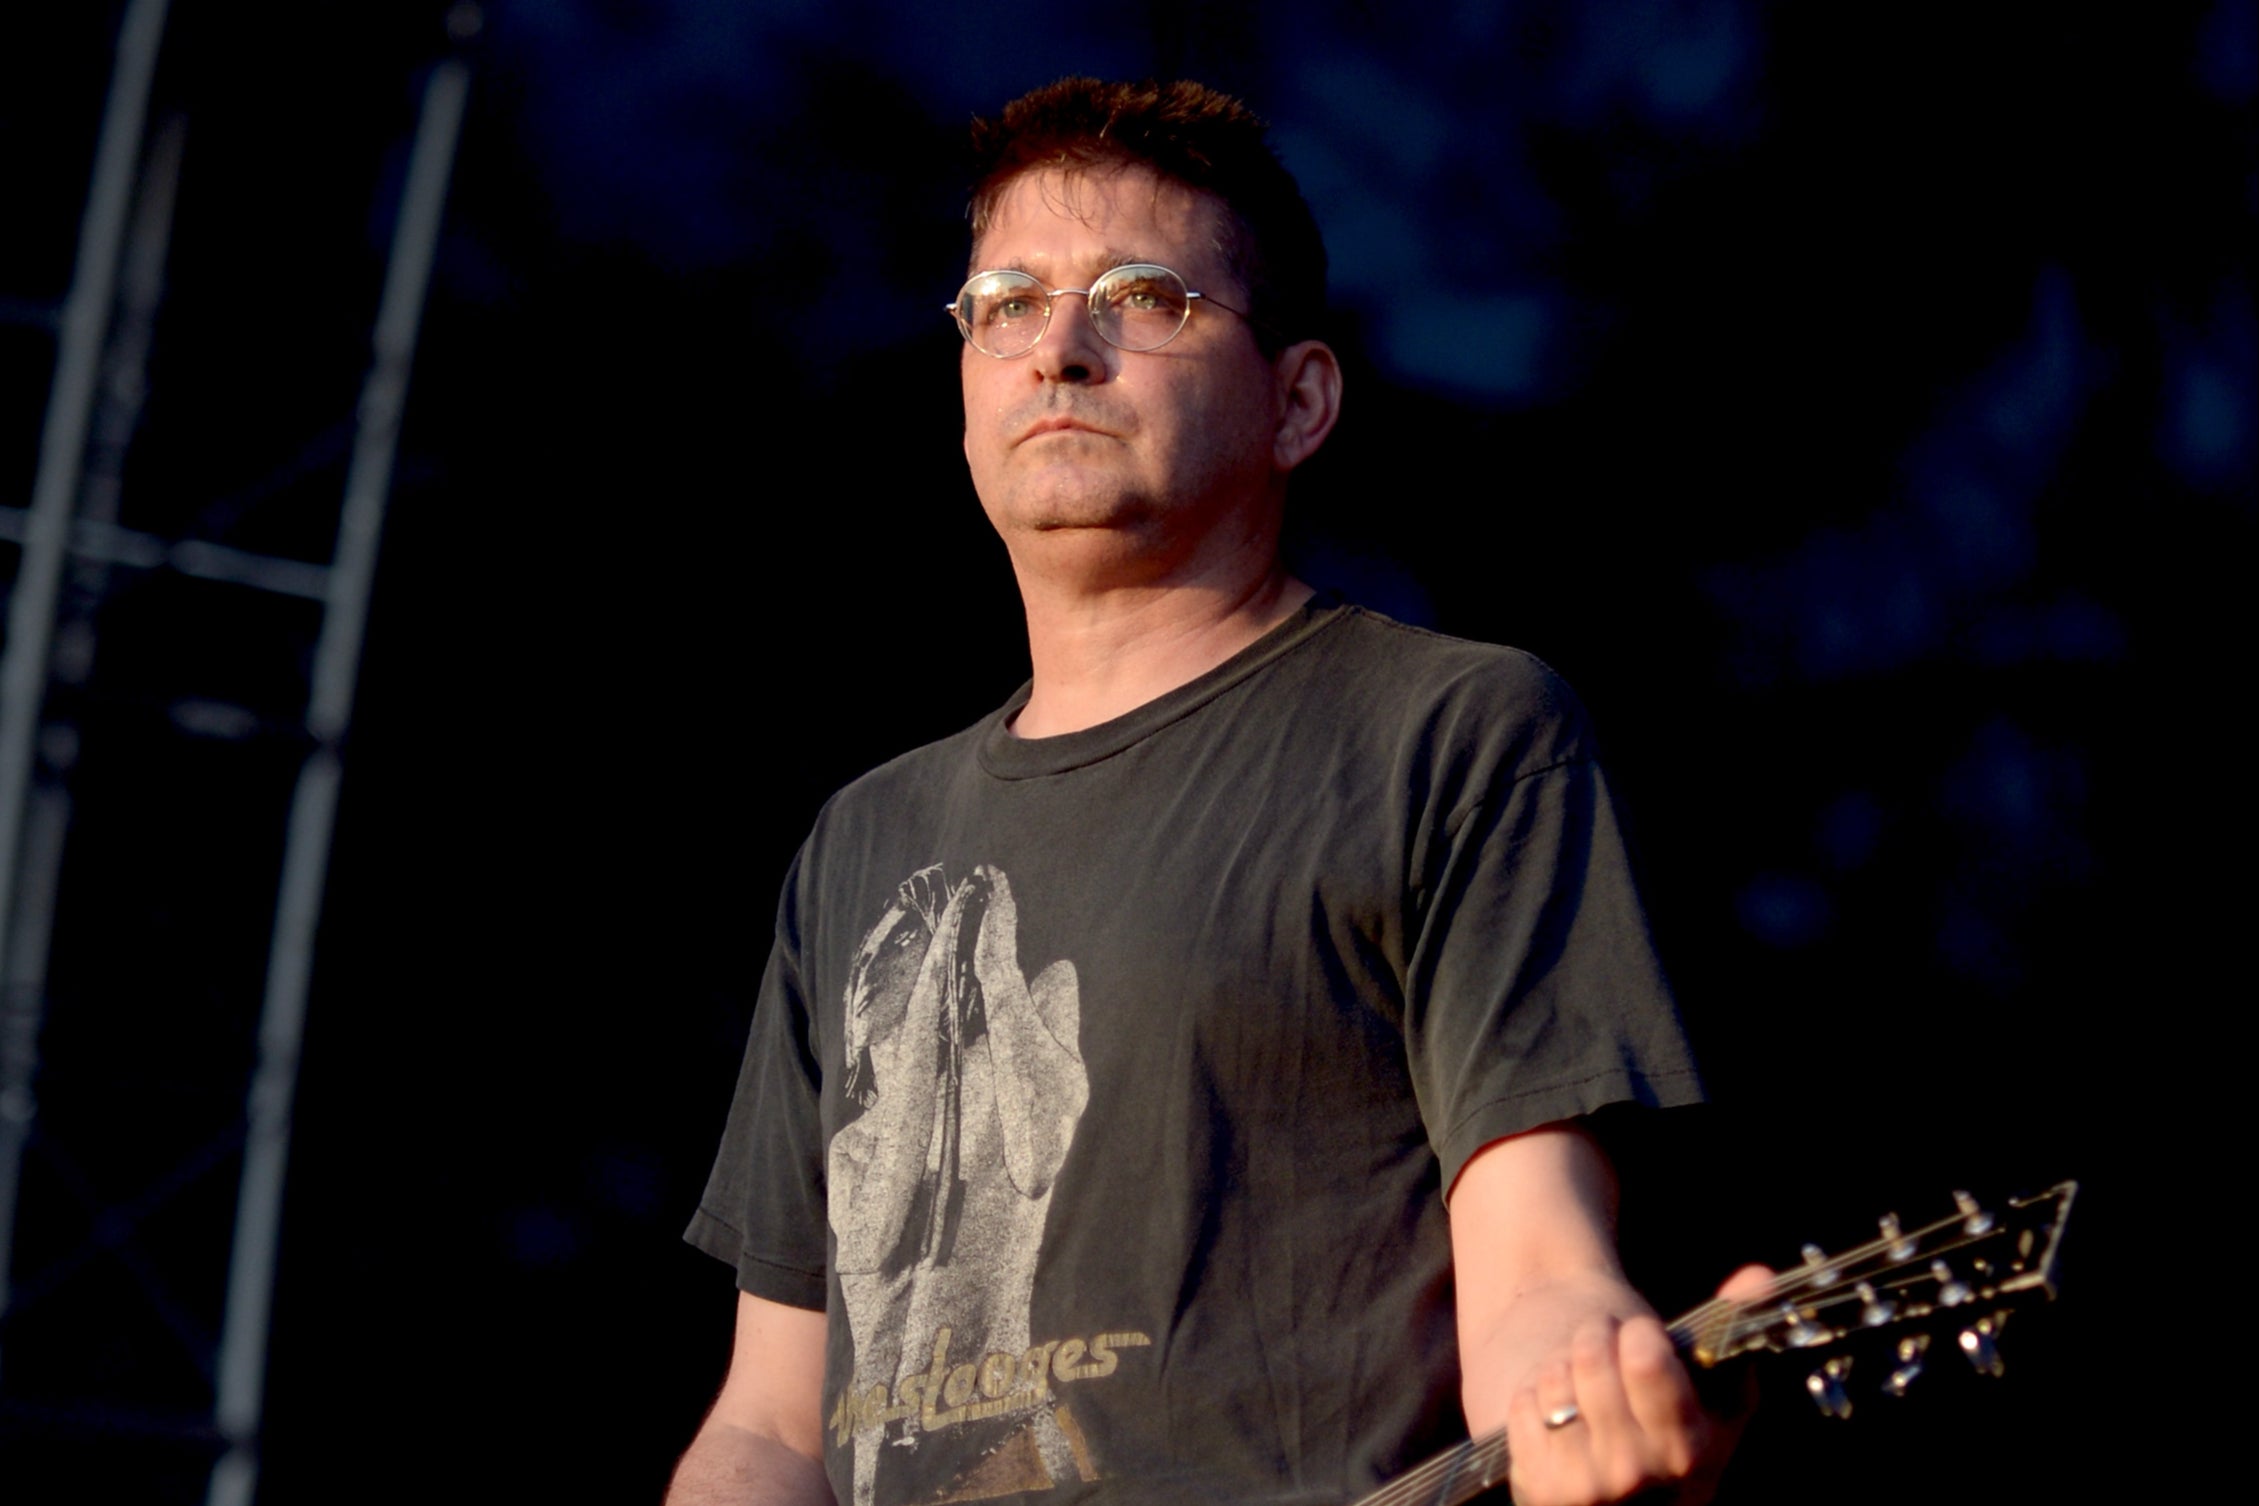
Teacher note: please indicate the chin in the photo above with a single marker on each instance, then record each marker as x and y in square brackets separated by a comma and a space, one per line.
[1106, 511]
[1085, 519]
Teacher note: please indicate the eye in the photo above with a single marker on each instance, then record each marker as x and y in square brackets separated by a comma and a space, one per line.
[1142, 292]
[1003, 298]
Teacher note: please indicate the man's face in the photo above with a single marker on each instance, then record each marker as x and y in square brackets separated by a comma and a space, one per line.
[1113, 454]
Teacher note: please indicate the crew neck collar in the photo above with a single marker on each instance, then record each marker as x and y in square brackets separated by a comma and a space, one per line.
[1008, 757]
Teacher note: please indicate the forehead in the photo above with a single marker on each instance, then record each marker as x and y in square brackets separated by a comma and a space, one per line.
[1077, 219]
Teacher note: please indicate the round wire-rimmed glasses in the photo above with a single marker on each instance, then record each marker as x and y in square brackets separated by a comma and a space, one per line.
[1139, 306]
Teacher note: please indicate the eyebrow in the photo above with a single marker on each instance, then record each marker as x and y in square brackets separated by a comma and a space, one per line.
[1109, 258]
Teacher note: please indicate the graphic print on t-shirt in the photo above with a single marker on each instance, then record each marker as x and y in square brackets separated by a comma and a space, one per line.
[969, 1081]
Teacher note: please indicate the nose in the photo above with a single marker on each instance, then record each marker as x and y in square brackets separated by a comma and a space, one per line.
[1071, 349]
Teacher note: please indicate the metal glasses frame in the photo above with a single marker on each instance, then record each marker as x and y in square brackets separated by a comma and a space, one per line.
[956, 306]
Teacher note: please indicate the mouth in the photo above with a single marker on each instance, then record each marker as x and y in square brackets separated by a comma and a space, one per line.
[1059, 424]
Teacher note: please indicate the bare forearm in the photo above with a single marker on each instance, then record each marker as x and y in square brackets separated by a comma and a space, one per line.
[730, 1466]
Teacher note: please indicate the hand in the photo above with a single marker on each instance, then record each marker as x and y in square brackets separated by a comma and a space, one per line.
[1615, 1413]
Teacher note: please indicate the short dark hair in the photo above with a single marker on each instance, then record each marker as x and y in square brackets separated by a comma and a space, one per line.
[1187, 133]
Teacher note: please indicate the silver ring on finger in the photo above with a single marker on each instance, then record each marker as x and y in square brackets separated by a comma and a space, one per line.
[1561, 1417]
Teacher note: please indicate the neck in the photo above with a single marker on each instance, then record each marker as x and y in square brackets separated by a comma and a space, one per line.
[1101, 654]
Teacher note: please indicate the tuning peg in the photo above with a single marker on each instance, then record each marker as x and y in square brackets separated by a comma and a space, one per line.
[1974, 1219]
[1901, 1248]
[1874, 1310]
[1977, 1343]
[1911, 1352]
[1817, 1271]
[1952, 1291]
[1827, 1388]
[1802, 1332]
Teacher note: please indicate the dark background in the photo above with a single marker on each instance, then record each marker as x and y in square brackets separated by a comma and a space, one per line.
[1856, 403]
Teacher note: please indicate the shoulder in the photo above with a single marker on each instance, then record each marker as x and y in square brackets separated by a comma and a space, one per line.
[1423, 660]
[878, 812]
[878, 818]
[1439, 692]
[918, 771]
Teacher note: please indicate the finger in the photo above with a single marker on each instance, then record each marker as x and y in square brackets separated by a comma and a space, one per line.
[1622, 1457]
[1673, 1429]
[1555, 1391]
[1732, 1401]
[1547, 1463]
[1599, 1380]
[1746, 1284]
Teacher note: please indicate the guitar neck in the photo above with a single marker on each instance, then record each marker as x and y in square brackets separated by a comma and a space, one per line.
[1459, 1474]
[1449, 1479]
[1963, 1268]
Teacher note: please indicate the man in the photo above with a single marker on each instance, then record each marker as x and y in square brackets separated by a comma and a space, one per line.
[1163, 1091]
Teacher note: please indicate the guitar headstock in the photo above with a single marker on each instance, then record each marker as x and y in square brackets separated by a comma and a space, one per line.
[1964, 1272]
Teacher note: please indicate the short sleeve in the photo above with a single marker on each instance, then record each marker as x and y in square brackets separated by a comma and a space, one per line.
[763, 1208]
[1535, 993]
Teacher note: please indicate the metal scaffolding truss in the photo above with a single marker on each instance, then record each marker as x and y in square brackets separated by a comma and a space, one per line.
[69, 544]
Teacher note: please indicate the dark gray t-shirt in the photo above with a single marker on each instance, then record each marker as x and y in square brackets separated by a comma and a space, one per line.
[1104, 1088]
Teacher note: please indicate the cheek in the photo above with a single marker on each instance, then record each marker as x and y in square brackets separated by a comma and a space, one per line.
[979, 407]
[987, 388]
[1219, 423]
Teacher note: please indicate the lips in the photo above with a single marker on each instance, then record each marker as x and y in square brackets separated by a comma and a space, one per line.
[1060, 424]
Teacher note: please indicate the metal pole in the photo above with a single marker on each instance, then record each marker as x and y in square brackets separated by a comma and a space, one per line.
[337, 656]
[31, 605]
[47, 796]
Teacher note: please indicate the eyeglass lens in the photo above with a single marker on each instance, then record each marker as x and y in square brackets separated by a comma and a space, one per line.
[1135, 307]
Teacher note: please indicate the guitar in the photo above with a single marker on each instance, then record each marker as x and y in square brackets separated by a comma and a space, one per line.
[1968, 1269]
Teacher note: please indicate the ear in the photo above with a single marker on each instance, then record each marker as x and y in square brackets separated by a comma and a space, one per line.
[1309, 388]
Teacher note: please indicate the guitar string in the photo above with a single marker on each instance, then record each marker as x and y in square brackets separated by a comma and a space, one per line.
[1474, 1462]
[1688, 1326]
[1459, 1465]
[1445, 1472]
